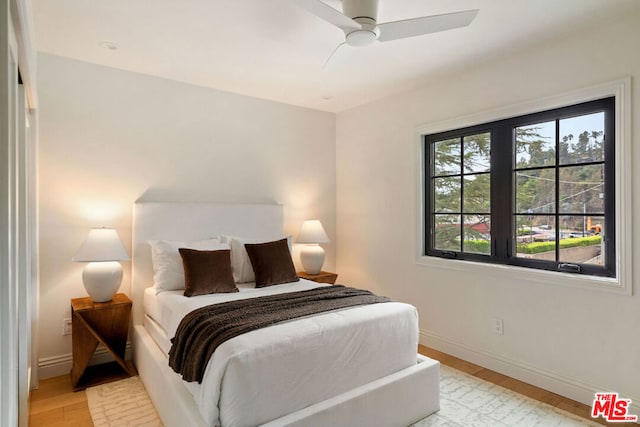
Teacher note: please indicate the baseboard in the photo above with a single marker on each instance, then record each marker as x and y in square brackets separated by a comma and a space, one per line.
[61, 365]
[564, 386]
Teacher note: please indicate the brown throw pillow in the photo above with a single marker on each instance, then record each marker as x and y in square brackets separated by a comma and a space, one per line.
[271, 262]
[207, 272]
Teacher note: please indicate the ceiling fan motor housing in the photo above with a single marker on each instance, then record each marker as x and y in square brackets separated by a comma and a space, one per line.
[360, 9]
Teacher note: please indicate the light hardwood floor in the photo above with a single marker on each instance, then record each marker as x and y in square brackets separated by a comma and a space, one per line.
[55, 404]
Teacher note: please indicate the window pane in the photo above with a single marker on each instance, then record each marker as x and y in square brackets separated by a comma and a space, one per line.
[447, 157]
[447, 232]
[536, 145]
[447, 194]
[535, 191]
[477, 193]
[582, 189]
[579, 243]
[582, 139]
[477, 234]
[535, 237]
[477, 153]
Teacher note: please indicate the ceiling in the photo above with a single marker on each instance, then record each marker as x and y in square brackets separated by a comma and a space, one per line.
[274, 50]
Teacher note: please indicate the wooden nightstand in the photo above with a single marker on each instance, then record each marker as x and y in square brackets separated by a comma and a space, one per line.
[322, 277]
[106, 323]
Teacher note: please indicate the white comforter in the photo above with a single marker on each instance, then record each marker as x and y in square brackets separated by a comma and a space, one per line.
[264, 374]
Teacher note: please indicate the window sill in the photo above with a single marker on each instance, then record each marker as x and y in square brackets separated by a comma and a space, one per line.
[529, 275]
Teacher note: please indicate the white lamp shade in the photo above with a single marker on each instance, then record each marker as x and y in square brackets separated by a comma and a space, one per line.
[312, 232]
[102, 244]
[102, 249]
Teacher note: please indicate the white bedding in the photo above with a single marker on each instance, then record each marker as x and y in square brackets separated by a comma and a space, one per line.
[280, 369]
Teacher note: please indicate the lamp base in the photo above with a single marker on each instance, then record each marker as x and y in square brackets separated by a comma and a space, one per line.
[102, 280]
[312, 258]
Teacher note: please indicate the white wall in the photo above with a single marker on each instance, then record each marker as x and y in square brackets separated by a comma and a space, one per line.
[109, 137]
[574, 341]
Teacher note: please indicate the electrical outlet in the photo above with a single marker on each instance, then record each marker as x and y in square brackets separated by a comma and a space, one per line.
[66, 326]
[498, 326]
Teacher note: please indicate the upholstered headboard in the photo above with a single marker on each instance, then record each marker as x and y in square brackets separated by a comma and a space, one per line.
[192, 221]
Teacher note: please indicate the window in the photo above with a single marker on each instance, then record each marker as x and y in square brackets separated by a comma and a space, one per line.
[534, 191]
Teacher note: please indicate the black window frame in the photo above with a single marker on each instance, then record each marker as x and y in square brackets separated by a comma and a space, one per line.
[502, 195]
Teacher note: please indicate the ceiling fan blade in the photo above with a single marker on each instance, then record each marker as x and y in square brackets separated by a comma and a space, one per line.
[329, 14]
[425, 25]
[339, 54]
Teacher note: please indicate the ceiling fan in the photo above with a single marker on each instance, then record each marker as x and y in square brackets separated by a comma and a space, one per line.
[361, 28]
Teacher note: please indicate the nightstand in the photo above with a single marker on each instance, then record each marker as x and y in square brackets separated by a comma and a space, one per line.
[94, 323]
[322, 277]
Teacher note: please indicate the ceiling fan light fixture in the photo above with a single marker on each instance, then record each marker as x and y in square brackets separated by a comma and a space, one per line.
[365, 36]
[361, 38]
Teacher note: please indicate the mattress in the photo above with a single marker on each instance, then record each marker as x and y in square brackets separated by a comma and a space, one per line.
[292, 365]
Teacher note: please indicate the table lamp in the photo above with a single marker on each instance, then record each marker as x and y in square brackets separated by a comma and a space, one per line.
[103, 250]
[312, 255]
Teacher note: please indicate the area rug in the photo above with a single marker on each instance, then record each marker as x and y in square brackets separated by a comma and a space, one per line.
[122, 403]
[465, 401]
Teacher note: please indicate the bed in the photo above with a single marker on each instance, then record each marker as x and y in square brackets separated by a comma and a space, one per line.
[341, 368]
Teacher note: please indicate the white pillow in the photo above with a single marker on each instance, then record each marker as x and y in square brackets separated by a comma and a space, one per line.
[240, 262]
[168, 272]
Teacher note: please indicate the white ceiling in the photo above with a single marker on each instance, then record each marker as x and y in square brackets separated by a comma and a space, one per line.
[274, 50]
